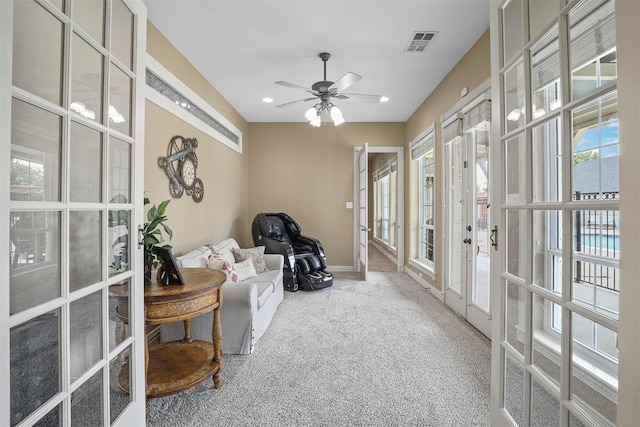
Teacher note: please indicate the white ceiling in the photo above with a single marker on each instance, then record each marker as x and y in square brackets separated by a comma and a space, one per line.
[242, 47]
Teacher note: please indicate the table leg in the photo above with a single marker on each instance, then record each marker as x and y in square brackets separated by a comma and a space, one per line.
[217, 348]
[187, 331]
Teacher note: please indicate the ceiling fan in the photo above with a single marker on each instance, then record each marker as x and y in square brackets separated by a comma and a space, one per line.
[325, 90]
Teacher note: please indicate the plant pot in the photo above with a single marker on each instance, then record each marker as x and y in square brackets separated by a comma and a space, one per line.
[147, 273]
[148, 267]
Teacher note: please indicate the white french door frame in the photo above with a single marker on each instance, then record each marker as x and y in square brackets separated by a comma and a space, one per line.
[135, 412]
[461, 301]
[399, 151]
[622, 408]
[362, 209]
[6, 39]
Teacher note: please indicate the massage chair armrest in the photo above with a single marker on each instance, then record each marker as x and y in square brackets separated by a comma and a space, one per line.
[315, 244]
[273, 246]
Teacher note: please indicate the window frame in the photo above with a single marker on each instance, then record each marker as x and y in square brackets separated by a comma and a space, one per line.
[419, 148]
[424, 228]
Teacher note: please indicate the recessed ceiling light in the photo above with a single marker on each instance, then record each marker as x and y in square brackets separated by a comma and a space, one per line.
[267, 100]
[384, 99]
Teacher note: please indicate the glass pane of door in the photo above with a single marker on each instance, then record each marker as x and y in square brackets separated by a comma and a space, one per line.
[480, 292]
[456, 194]
[122, 40]
[87, 80]
[36, 147]
[35, 272]
[37, 52]
[35, 364]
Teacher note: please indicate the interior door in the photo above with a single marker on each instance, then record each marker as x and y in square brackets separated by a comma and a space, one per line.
[73, 141]
[362, 226]
[467, 228]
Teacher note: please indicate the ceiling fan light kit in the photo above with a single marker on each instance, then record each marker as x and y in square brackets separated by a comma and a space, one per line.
[324, 90]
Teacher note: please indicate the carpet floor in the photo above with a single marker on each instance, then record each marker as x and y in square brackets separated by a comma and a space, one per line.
[384, 352]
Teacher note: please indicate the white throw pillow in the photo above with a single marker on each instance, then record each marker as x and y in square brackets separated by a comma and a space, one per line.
[196, 258]
[225, 249]
[256, 253]
[244, 270]
[216, 262]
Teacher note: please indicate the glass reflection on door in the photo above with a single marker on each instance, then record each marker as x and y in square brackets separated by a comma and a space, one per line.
[456, 262]
[480, 283]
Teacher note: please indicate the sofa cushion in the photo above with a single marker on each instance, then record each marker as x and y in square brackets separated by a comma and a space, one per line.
[257, 254]
[197, 258]
[225, 249]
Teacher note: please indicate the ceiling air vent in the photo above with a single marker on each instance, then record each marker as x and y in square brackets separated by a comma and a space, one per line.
[420, 40]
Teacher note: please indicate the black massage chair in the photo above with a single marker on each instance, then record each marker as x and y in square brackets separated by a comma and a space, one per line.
[304, 258]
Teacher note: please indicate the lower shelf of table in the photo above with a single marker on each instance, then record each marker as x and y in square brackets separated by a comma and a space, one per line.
[175, 366]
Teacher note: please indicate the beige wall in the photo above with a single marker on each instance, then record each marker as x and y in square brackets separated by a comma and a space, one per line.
[307, 172]
[224, 172]
[289, 167]
[471, 71]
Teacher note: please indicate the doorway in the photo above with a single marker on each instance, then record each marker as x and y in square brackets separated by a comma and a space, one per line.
[379, 207]
[467, 213]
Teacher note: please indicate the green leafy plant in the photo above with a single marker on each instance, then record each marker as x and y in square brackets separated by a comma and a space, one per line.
[152, 232]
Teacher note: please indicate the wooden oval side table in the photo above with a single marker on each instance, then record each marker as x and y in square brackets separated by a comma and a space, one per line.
[174, 366]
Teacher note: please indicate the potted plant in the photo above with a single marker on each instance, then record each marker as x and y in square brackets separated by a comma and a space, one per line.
[153, 236]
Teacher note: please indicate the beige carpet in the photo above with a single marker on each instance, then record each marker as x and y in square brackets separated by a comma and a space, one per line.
[384, 352]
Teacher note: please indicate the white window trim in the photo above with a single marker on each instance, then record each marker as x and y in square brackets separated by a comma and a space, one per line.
[595, 373]
[160, 100]
[418, 263]
[426, 137]
[422, 228]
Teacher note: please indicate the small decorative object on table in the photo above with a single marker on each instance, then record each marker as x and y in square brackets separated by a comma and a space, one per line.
[168, 272]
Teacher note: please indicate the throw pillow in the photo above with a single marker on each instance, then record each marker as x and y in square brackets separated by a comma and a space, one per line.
[216, 262]
[244, 270]
[196, 258]
[257, 254]
[224, 249]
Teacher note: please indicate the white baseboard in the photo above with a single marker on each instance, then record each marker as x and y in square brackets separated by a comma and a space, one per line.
[341, 268]
[424, 283]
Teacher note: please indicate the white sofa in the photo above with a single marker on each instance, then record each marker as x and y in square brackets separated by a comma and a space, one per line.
[247, 306]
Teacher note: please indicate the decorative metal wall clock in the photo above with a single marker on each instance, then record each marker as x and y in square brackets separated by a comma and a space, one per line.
[180, 165]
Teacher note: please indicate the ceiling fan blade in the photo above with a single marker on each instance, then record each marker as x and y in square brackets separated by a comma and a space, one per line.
[360, 97]
[288, 104]
[344, 82]
[294, 86]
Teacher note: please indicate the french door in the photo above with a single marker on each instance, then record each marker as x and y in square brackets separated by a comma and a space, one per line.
[557, 281]
[72, 154]
[468, 248]
[362, 227]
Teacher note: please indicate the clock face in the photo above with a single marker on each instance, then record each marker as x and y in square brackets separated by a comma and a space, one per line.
[188, 172]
